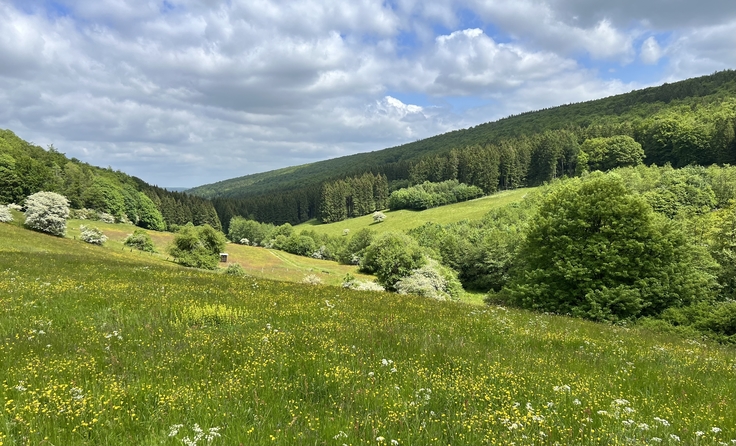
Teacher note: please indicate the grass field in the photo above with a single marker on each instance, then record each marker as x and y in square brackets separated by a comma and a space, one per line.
[101, 347]
[402, 220]
[257, 262]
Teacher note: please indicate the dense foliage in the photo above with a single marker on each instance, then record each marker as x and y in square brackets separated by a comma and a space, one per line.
[353, 197]
[198, 246]
[140, 240]
[428, 195]
[595, 249]
[391, 257]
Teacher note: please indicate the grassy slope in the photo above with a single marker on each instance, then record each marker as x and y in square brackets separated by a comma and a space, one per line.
[98, 347]
[403, 220]
[257, 262]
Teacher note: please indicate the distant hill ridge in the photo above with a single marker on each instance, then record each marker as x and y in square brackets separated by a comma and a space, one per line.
[394, 161]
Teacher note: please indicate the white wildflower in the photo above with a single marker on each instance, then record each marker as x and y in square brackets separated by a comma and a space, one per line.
[174, 430]
[715, 430]
[674, 437]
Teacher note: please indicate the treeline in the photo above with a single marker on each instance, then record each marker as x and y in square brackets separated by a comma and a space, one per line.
[353, 197]
[26, 169]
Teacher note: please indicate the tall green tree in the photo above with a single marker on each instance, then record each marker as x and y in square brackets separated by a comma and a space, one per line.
[599, 251]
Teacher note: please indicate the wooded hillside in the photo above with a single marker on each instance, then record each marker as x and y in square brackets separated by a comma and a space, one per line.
[26, 169]
[686, 122]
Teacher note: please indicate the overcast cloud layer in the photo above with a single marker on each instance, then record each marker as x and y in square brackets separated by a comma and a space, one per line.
[187, 92]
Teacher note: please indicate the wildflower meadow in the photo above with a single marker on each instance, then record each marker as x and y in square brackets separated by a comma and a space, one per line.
[107, 348]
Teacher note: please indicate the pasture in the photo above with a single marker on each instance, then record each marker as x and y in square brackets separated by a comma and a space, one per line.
[100, 346]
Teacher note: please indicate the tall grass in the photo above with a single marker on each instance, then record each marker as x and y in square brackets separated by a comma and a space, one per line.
[98, 347]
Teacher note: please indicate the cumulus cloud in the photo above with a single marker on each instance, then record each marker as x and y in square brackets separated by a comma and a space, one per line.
[184, 92]
[651, 52]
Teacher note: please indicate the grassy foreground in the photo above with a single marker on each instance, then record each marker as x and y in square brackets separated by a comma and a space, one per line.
[403, 219]
[98, 347]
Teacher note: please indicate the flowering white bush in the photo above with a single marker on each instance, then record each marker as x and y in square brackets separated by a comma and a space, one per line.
[92, 235]
[378, 217]
[47, 212]
[16, 207]
[5, 215]
[312, 279]
[350, 282]
[431, 280]
[83, 214]
[106, 218]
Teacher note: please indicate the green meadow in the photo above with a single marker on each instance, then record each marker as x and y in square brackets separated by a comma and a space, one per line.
[404, 219]
[103, 346]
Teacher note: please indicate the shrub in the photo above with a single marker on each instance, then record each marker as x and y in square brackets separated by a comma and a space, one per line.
[234, 269]
[106, 218]
[84, 214]
[428, 195]
[47, 212]
[92, 235]
[252, 231]
[5, 215]
[198, 247]
[431, 280]
[392, 256]
[353, 252]
[378, 217]
[312, 279]
[140, 240]
[596, 250]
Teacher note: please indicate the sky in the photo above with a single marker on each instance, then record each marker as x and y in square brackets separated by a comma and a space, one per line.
[182, 93]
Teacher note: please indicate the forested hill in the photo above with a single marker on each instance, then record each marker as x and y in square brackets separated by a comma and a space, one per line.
[92, 191]
[682, 123]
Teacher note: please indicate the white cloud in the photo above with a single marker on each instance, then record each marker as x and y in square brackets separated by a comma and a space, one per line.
[651, 52]
[193, 91]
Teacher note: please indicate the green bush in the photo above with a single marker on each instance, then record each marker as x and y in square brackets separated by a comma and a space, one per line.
[596, 250]
[391, 257]
[140, 240]
[198, 247]
[234, 269]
